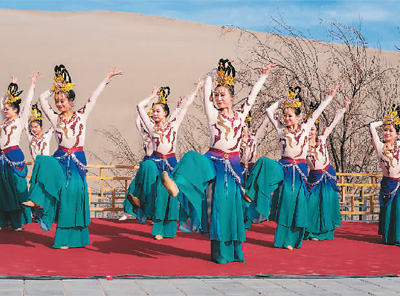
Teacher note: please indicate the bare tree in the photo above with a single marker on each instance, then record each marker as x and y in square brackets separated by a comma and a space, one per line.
[315, 66]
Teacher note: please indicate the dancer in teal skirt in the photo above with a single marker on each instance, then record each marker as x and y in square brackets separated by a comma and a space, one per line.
[388, 157]
[289, 204]
[148, 197]
[13, 170]
[323, 201]
[58, 182]
[209, 186]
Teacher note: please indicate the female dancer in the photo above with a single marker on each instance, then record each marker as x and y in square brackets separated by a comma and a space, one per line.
[388, 158]
[217, 213]
[150, 199]
[289, 206]
[58, 183]
[323, 202]
[39, 142]
[148, 151]
[13, 185]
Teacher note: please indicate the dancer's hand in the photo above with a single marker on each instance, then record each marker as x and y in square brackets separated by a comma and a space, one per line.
[14, 79]
[34, 77]
[333, 90]
[112, 73]
[266, 69]
[199, 84]
[348, 102]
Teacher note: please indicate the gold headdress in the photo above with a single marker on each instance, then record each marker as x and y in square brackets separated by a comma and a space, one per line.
[293, 98]
[13, 93]
[393, 116]
[163, 94]
[62, 80]
[313, 107]
[36, 114]
[225, 73]
[248, 117]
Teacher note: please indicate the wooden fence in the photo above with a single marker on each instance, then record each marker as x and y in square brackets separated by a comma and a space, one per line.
[108, 185]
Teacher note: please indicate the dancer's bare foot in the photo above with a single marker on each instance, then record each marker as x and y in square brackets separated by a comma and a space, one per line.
[169, 184]
[134, 200]
[158, 237]
[18, 229]
[31, 204]
[64, 248]
[314, 239]
[290, 248]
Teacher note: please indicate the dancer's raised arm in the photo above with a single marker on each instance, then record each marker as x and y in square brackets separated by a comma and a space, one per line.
[141, 108]
[182, 111]
[95, 95]
[28, 101]
[266, 69]
[338, 116]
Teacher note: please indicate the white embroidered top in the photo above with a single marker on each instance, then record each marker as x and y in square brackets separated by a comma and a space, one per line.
[146, 138]
[226, 132]
[71, 133]
[164, 138]
[248, 149]
[388, 159]
[10, 131]
[39, 146]
[318, 156]
[295, 145]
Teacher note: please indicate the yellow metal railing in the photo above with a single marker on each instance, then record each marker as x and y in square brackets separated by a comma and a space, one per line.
[358, 195]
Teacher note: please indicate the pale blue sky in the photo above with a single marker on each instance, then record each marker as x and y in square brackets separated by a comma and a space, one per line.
[380, 20]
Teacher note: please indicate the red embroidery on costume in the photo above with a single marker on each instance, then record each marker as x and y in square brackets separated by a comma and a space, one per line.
[79, 134]
[73, 126]
[172, 142]
[302, 148]
[6, 124]
[156, 141]
[9, 135]
[43, 147]
[236, 145]
[59, 136]
[82, 110]
[217, 137]
[236, 129]
[298, 134]
[387, 165]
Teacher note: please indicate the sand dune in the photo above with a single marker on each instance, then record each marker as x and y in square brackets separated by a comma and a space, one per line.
[147, 49]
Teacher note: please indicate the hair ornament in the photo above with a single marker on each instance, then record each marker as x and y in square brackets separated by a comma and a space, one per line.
[225, 73]
[62, 80]
[393, 116]
[313, 107]
[13, 93]
[36, 114]
[163, 94]
[248, 118]
[293, 98]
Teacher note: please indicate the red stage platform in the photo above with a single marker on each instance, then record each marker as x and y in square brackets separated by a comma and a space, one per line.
[127, 247]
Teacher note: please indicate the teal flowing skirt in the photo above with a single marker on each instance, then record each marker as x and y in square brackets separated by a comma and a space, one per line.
[389, 221]
[211, 202]
[65, 200]
[323, 211]
[13, 192]
[289, 207]
[265, 177]
[155, 202]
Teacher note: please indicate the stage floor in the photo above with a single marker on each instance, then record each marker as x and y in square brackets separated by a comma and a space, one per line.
[126, 247]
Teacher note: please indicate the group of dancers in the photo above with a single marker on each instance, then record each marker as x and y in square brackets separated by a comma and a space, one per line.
[219, 193]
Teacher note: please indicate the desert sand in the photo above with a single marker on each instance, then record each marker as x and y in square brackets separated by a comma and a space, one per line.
[149, 50]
